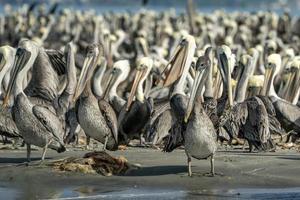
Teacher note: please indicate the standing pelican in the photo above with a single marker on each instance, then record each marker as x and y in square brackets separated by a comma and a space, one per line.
[180, 64]
[96, 117]
[200, 137]
[37, 124]
[135, 114]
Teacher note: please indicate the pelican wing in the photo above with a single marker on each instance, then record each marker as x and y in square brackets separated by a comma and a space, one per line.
[258, 118]
[7, 125]
[288, 112]
[49, 120]
[57, 60]
[176, 138]
[110, 117]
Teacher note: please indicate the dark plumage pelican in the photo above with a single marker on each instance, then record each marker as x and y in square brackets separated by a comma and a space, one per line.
[96, 117]
[135, 114]
[118, 74]
[180, 64]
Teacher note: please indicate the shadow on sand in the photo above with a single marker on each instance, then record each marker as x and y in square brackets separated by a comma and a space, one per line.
[158, 170]
[18, 160]
[290, 157]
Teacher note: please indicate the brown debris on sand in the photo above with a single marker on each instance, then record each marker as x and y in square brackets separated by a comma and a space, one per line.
[98, 162]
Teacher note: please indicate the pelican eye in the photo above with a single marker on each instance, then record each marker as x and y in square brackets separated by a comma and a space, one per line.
[183, 42]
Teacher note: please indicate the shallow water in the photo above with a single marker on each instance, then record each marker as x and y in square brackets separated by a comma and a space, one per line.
[92, 192]
[180, 6]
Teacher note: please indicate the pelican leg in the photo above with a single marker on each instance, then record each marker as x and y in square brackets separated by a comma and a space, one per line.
[250, 147]
[28, 152]
[142, 141]
[212, 165]
[244, 145]
[45, 149]
[88, 138]
[105, 143]
[189, 161]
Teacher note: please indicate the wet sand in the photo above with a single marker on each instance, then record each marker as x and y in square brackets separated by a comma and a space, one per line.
[163, 175]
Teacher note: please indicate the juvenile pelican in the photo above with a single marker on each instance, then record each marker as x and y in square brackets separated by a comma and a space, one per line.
[96, 117]
[37, 124]
[200, 137]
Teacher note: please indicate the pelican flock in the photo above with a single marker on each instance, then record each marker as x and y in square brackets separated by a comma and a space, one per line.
[149, 79]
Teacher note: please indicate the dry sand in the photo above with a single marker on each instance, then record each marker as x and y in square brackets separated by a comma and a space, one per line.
[162, 176]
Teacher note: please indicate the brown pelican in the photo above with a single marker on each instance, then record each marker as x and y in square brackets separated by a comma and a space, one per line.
[200, 137]
[96, 117]
[247, 119]
[118, 74]
[8, 127]
[286, 113]
[37, 124]
[180, 64]
[135, 114]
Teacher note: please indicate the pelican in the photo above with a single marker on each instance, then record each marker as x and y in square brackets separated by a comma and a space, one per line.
[136, 113]
[8, 127]
[200, 137]
[248, 118]
[286, 113]
[96, 117]
[180, 64]
[118, 74]
[7, 58]
[37, 124]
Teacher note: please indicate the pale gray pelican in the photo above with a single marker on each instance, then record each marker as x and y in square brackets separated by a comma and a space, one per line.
[200, 137]
[37, 124]
[96, 117]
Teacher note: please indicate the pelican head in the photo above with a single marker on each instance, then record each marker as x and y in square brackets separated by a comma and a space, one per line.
[7, 53]
[202, 65]
[92, 56]
[118, 74]
[22, 61]
[226, 62]
[271, 70]
[143, 68]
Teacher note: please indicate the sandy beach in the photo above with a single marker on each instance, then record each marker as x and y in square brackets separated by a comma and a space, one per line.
[240, 175]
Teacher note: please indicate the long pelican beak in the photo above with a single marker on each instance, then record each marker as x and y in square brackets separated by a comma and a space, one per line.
[267, 82]
[288, 85]
[295, 86]
[89, 63]
[200, 78]
[2, 62]
[226, 75]
[138, 77]
[177, 63]
[21, 59]
[111, 80]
